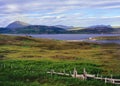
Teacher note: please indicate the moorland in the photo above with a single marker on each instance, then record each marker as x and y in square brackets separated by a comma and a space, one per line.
[24, 61]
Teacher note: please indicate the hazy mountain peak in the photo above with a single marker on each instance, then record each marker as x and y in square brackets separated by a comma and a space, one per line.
[100, 26]
[17, 24]
[64, 27]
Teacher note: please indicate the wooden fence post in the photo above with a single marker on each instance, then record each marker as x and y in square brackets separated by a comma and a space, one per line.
[64, 71]
[75, 72]
[84, 73]
[52, 72]
[101, 77]
[113, 81]
[111, 76]
[105, 80]
[70, 73]
[97, 76]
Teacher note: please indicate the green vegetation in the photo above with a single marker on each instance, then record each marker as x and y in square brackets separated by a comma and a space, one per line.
[107, 38]
[24, 61]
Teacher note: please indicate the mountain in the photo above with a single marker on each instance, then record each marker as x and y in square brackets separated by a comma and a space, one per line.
[100, 27]
[17, 24]
[31, 29]
[24, 28]
[39, 29]
[19, 27]
[5, 30]
[64, 27]
[97, 29]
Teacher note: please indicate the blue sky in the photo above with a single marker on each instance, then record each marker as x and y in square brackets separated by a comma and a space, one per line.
[61, 12]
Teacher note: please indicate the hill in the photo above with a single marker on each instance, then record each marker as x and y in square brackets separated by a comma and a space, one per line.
[64, 27]
[97, 29]
[19, 27]
[32, 29]
[39, 29]
[17, 24]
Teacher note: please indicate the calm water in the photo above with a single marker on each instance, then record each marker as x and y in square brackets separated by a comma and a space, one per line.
[74, 37]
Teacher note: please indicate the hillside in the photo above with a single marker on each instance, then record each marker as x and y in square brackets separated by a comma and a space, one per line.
[27, 60]
[33, 29]
[97, 29]
[64, 27]
[17, 24]
[19, 27]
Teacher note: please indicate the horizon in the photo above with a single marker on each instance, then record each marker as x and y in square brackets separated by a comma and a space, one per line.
[61, 12]
[58, 25]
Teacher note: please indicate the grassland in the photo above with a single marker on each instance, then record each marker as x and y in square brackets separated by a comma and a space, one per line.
[107, 38]
[25, 60]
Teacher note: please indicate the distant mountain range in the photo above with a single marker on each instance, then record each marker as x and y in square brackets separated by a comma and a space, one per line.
[97, 29]
[19, 27]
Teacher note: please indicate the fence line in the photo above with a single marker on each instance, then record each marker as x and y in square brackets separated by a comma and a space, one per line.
[85, 76]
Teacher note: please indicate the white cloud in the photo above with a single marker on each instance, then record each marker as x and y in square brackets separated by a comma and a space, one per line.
[11, 8]
[56, 5]
[59, 11]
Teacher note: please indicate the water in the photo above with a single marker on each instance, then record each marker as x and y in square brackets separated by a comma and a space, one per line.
[74, 37]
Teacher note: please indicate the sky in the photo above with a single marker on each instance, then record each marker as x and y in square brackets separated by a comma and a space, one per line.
[80, 13]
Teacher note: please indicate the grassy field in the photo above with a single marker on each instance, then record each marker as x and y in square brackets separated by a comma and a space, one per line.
[24, 61]
[107, 38]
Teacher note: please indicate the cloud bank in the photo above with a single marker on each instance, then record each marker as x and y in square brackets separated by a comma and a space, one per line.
[66, 12]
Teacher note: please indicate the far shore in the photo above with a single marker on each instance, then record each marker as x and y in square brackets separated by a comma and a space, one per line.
[106, 38]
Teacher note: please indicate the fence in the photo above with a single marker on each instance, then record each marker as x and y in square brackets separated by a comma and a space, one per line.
[85, 76]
